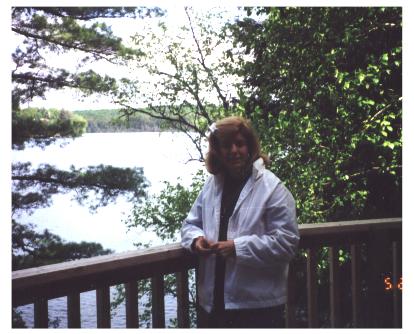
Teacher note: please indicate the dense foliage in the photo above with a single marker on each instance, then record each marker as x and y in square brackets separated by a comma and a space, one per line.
[163, 213]
[323, 88]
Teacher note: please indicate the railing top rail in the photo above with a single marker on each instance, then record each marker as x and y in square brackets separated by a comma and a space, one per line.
[173, 251]
[348, 226]
[98, 264]
[135, 257]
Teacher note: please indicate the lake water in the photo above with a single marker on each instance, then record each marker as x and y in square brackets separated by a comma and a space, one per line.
[164, 156]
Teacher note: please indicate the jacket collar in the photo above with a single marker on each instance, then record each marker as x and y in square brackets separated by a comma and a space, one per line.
[258, 168]
[257, 172]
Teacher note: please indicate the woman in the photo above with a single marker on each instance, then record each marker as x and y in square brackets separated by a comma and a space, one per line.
[243, 226]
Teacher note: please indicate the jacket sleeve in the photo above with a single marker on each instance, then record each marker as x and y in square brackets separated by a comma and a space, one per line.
[192, 226]
[281, 238]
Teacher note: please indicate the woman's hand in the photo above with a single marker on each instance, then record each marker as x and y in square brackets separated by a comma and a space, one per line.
[202, 246]
[224, 248]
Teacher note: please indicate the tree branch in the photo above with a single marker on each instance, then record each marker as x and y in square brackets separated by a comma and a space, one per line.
[369, 120]
[24, 77]
[62, 44]
[203, 63]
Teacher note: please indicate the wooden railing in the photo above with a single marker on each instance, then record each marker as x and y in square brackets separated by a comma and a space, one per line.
[370, 249]
[361, 260]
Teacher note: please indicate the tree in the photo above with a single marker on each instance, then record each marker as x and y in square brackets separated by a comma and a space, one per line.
[64, 29]
[190, 83]
[56, 30]
[95, 185]
[164, 213]
[33, 249]
[323, 88]
[41, 127]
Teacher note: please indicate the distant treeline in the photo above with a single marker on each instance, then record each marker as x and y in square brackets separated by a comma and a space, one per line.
[109, 120]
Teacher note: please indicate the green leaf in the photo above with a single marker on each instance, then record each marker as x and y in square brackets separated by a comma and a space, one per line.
[368, 102]
[389, 144]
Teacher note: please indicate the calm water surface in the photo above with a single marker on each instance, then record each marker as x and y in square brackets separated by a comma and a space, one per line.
[164, 157]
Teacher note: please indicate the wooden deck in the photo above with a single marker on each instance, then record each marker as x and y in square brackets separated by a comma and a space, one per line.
[355, 257]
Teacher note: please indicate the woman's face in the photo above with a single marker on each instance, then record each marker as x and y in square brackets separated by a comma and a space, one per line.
[234, 154]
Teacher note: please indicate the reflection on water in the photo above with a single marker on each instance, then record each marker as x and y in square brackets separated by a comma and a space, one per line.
[58, 311]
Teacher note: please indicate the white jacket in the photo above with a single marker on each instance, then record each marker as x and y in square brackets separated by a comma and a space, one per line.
[265, 233]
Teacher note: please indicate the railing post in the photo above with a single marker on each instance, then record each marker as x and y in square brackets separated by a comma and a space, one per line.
[183, 308]
[356, 284]
[335, 312]
[201, 319]
[377, 246]
[158, 312]
[397, 275]
[290, 310]
[312, 287]
[103, 308]
[41, 319]
[74, 316]
[131, 304]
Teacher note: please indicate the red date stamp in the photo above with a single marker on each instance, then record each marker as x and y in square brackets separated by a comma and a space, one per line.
[390, 285]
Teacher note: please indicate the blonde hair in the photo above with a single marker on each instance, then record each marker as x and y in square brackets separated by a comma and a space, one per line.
[225, 129]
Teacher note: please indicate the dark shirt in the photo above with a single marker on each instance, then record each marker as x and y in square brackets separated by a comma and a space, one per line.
[231, 192]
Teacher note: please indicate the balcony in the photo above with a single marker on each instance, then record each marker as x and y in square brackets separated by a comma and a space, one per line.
[346, 274]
